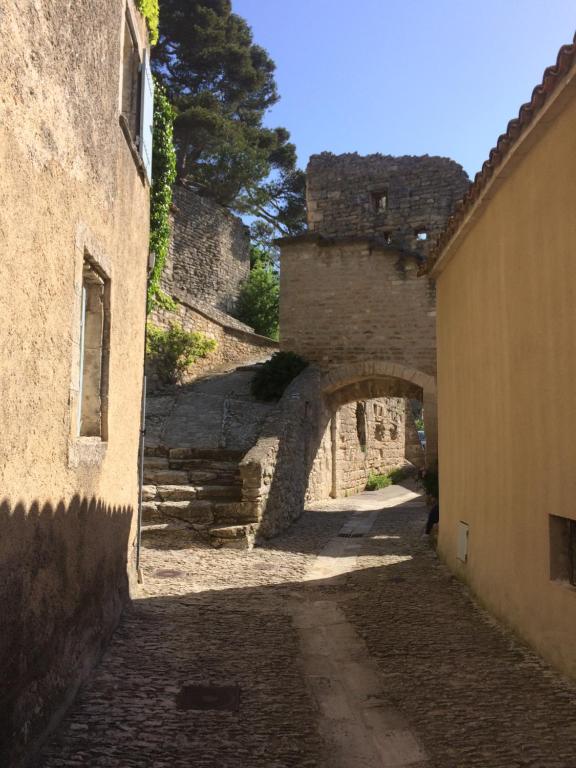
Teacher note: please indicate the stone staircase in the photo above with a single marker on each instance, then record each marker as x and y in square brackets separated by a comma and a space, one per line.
[200, 488]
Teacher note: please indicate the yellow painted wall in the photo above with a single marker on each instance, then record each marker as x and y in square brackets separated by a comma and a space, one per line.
[67, 528]
[507, 390]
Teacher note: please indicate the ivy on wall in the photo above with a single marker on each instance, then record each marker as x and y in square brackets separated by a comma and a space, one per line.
[151, 12]
[163, 176]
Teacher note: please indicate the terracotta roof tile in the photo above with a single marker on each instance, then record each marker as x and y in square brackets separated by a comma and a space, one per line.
[516, 126]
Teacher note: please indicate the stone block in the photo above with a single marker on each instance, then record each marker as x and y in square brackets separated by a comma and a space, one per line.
[237, 512]
[148, 492]
[176, 492]
[191, 511]
[165, 477]
[218, 492]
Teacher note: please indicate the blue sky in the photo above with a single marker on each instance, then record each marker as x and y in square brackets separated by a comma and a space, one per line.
[439, 77]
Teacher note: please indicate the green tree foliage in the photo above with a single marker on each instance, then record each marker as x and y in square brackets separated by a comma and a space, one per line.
[275, 375]
[173, 351]
[258, 303]
[163, 176]
[221, 84]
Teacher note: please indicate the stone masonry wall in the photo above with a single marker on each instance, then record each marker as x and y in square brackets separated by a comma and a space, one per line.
[341, 303]
[209, 251]
[344, 194]
[372, 436]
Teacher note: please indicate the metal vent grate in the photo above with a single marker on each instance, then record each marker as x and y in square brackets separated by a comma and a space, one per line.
[223, 698]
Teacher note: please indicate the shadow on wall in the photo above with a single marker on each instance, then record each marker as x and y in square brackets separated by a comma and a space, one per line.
[277, 474]
[63, 584]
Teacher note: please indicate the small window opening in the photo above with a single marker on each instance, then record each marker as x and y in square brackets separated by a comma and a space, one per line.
[387, 237]
[131, 81]
[421, 235]
[94, 333]
[361, 424]
[380, 201]
[563, 549]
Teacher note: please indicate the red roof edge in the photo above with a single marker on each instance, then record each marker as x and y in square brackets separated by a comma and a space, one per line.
[516, 127]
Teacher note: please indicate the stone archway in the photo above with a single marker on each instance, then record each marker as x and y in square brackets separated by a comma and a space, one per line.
[368, 379]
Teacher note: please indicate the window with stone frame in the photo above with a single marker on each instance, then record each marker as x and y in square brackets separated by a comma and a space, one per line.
[380, 201]
[131, 80]
[94, 353]
[562, 549]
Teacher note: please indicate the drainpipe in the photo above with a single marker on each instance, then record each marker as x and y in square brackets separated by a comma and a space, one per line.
[151, 261]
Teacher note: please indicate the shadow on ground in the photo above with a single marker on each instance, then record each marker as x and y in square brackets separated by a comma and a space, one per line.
[474, 697]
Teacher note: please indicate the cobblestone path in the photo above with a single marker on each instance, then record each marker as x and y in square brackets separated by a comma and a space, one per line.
[459, 692]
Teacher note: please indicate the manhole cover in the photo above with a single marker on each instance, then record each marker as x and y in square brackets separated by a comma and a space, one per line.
[169, 574]
[214, 697]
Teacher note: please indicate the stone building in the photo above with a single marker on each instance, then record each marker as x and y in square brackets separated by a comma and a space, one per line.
[506, 277]
[351, 300]
[75, 139]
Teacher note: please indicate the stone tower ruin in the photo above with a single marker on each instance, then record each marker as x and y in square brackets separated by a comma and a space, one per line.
[351, 300]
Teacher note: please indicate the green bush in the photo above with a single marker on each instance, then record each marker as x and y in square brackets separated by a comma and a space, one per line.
[274, 376]
[430, 482]
[377, 482]
[258, 303]
[173, 351]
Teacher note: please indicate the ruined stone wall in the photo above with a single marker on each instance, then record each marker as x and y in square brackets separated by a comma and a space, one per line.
[209, 251]
[236, 343]
[393, 198]
[70, 188]
[380, 445]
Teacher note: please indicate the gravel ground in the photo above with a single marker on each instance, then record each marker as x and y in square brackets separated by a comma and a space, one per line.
[475, 697]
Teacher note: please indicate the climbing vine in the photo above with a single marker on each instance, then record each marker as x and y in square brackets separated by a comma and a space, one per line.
[150, 10]
[163, 176]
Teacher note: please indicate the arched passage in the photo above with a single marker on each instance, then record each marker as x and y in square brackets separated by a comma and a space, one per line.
[369, 379]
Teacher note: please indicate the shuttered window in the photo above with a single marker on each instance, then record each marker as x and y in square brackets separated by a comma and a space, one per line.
[146, 115]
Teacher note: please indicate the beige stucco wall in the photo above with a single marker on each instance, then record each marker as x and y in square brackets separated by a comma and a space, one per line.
[68, 182]
[506, 374]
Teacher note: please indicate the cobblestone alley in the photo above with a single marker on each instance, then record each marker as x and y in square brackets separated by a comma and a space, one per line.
[343, 643]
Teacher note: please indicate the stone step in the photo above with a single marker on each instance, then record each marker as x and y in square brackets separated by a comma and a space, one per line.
[194, 511]
[228, 492]
[156, 462]
[176, 492]
[150, 513]
[233, 536]
[235, 512]
[212, 454]
[203, 465]
[165, 477]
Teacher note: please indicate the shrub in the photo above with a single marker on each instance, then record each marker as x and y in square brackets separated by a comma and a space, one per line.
[430, 482]
[376, 482]
[173, 351]
[258, 303]
[274, 376]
